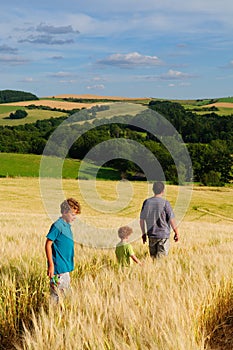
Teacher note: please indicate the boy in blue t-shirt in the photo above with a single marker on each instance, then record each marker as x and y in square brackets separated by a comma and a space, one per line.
[59, 248]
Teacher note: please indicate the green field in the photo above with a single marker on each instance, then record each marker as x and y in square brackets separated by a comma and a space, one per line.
[32, 117]
[226, 99]
[204, 101]
[28, 165]
[193, 105]
[221, 110]
[116, 109]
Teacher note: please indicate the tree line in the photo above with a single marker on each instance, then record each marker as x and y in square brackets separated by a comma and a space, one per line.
[208, 139]
[16, 96]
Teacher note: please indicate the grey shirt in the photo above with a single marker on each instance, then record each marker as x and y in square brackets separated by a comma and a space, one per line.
[157, 212]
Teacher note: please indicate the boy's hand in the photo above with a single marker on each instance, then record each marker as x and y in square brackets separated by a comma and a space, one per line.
[144, 238]
[176, 237]
[50, 271]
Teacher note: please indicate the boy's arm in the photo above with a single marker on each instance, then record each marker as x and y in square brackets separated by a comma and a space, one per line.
[135, 259]
[142, 225]
[48, 251]
[175, 229]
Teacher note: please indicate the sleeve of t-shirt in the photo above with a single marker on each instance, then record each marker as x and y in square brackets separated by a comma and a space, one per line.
[143, 210]
[53, 232]
[169, 211]
[130, 250]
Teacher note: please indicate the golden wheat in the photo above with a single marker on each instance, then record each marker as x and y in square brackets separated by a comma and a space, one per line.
[173, 303]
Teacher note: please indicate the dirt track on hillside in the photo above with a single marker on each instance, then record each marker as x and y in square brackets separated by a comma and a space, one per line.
[221, 104]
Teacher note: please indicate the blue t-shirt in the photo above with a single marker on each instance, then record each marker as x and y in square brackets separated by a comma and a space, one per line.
[63, 246]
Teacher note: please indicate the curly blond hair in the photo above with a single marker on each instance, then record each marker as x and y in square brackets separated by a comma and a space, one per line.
[124, 231]
[69, 204]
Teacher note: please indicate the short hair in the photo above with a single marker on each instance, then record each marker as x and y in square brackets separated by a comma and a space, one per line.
[124, 231]
[158, 187]
[70, 203]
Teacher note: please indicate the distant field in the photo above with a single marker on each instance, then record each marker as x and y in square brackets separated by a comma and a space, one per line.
[32, 117]
[221, 104]
[53, 104]
[121, 107]
[28, 165]
[58, 102]
[96, 97]
[129, 106]
[226, 99]
[224, 108]
[116, 109]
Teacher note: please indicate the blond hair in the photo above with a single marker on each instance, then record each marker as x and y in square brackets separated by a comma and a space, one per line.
[70, 203]
[124, 231]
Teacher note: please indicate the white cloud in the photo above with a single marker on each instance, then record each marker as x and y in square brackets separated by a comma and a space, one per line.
[95, 87]
[27, 80]
[60, 74]
[129, 60]
[171, 75]
[71, 81]
[175, 75]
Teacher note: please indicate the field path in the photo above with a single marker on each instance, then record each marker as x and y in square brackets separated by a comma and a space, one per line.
[220, 104]
[213, 214]
[53, 104]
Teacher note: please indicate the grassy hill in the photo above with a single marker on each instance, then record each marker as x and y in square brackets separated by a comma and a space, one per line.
[224, 105]
[28, 165]
[115, 109]
[32, 117]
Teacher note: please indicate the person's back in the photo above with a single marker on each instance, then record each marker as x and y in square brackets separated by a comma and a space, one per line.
[157, 212]
[156, 217]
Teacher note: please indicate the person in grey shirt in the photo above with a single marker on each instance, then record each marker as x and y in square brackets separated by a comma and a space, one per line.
[156, 219]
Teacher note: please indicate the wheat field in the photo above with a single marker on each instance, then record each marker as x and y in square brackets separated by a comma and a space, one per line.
[182, 302]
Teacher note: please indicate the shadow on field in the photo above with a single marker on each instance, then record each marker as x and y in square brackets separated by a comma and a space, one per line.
[222, 336]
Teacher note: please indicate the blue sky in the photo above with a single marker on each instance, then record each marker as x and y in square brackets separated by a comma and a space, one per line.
[149, 48]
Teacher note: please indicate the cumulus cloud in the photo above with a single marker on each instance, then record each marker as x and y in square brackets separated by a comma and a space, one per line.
[129, 60]
[175, 75]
